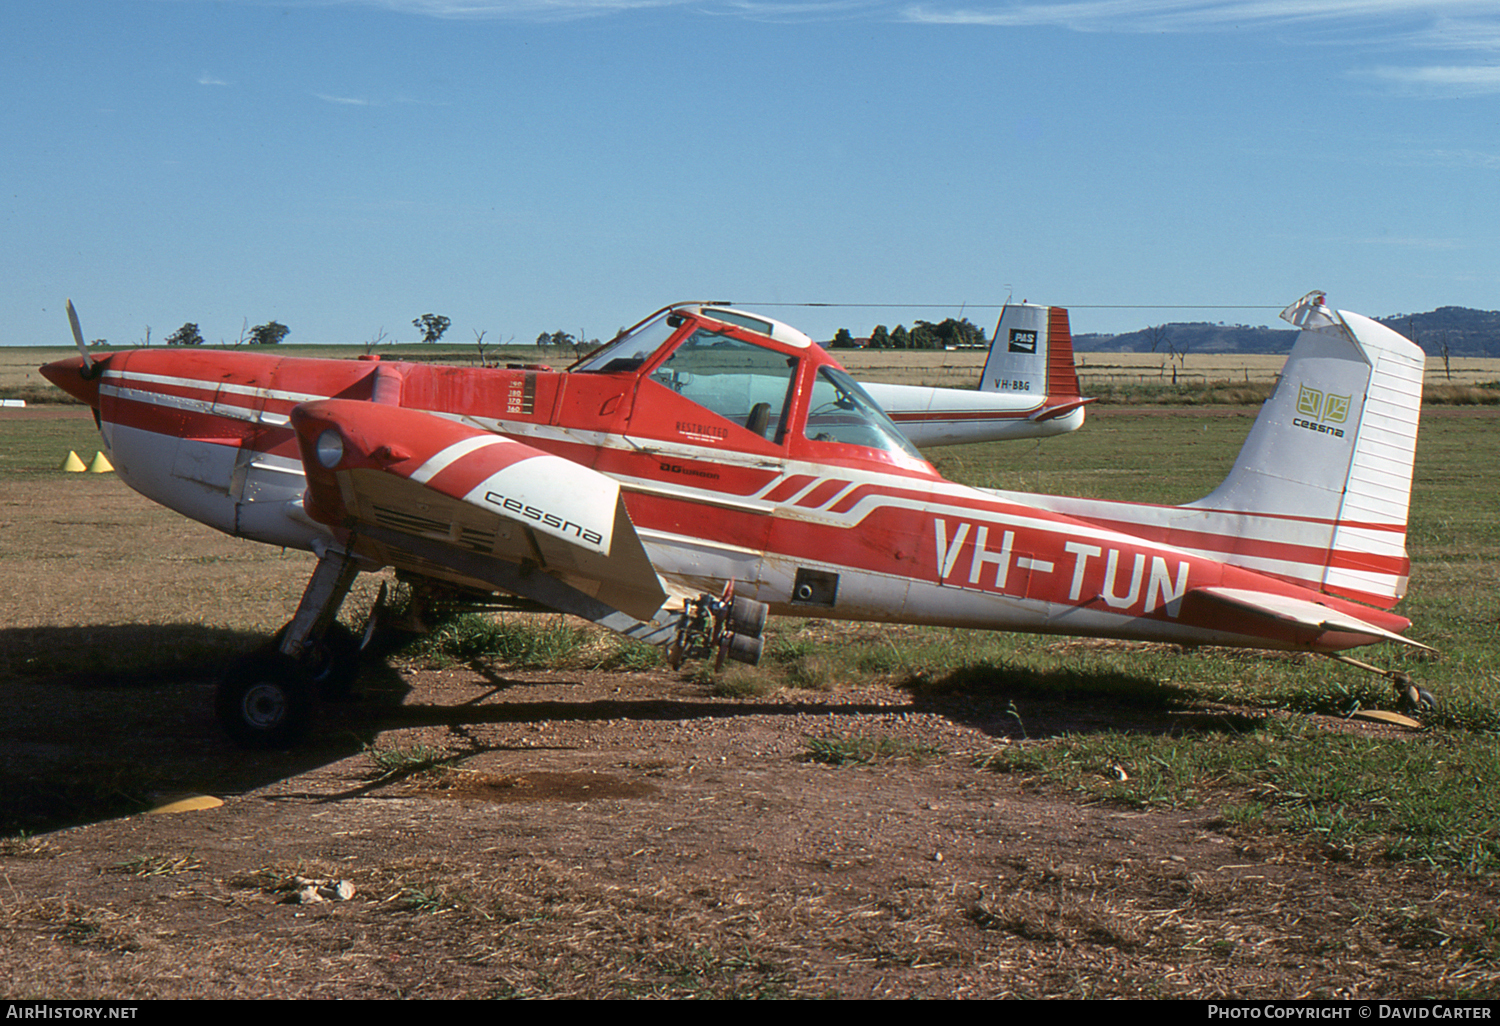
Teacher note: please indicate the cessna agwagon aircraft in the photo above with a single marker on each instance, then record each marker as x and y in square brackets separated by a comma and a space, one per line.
[710, 466]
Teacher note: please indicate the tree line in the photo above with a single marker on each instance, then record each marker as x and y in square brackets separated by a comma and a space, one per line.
[432, 327]
[269, 334]
[922, 335]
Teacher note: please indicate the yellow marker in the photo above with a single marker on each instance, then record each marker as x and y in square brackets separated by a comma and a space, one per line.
[72, 464]
[1381, 716]
[100, 465]
[186, 803]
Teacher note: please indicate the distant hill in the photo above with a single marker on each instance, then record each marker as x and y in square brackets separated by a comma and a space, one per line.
[1466, 332]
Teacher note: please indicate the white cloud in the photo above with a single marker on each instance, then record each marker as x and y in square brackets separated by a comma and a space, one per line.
[798, 10]
[1194, 15]
[1083, 15]
[210, 80]
[1472, 34]
[1445, 81]
[348, 101]
[1468, 26]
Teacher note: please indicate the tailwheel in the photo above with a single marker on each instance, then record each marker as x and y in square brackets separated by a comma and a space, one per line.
[1411, 697]
[265, 700]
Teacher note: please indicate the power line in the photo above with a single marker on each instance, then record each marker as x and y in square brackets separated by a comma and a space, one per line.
[998, 306]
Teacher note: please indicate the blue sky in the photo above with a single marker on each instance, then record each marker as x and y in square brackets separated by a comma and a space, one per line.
[532, 165]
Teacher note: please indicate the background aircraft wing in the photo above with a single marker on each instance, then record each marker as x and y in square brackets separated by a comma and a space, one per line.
[443, 499]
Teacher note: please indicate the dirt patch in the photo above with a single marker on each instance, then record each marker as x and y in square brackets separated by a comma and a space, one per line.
[594, 834]
[533, 787]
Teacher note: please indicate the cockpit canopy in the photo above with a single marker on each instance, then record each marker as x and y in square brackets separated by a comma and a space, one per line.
[756, 373]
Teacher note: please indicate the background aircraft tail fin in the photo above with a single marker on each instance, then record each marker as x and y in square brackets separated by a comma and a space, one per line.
[1032, 353]
[1320, 491]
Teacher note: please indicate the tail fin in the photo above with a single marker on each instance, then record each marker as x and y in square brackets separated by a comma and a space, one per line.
[1320, 492]
[1032, 352]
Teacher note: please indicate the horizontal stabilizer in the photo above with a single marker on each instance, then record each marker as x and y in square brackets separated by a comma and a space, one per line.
[1288, 611]
[471, 498]
[1061, 409]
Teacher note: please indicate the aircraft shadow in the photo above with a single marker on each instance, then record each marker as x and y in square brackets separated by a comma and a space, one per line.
[1019, 703]
[101, 721]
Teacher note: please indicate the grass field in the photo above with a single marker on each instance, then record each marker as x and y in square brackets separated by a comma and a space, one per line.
[1433, 796]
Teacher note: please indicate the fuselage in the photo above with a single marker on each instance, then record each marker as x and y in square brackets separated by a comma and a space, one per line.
[953, 416]
[742, 456]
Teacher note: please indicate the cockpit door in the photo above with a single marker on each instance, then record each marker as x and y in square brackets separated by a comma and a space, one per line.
[713, 416]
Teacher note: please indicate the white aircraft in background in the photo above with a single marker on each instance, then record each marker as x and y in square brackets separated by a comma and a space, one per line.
[1029, 388]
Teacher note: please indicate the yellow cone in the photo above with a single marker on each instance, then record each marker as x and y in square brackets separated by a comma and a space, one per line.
[72, 464]
[100, 465]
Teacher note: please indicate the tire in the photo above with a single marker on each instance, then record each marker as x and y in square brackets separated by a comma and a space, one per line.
[265, 701]
[331, 664]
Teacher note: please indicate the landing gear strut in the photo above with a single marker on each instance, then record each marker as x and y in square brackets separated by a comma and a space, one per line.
[266, 700]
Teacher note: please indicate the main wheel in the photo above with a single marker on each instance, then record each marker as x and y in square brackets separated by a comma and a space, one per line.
[331, 663]
[265, 701]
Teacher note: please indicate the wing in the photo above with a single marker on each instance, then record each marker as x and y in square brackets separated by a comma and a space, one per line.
[435, 496]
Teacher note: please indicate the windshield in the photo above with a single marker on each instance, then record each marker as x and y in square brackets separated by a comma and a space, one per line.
[840, 411]
[630, 350]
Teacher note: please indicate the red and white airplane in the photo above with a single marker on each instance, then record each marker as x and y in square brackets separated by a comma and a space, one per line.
[710, 466]
[1028, 389]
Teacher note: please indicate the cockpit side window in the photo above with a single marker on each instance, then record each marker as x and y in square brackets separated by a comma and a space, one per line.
[740, 381]
[840, 411]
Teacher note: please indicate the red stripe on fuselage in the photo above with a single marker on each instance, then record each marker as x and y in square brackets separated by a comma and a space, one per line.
[904, 542]
[175, 421]
[962, 416]
[1256, 548]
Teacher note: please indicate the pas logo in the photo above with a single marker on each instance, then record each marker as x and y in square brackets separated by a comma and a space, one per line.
[1022, 340]
[1322, 410]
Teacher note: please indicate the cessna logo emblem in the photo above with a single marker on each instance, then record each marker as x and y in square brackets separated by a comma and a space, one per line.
[1022, 341]
[1321, 411]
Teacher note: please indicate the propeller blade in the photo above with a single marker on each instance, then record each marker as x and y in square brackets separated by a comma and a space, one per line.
[78, 337]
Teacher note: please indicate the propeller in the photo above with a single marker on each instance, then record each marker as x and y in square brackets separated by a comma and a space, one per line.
[89, 370]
